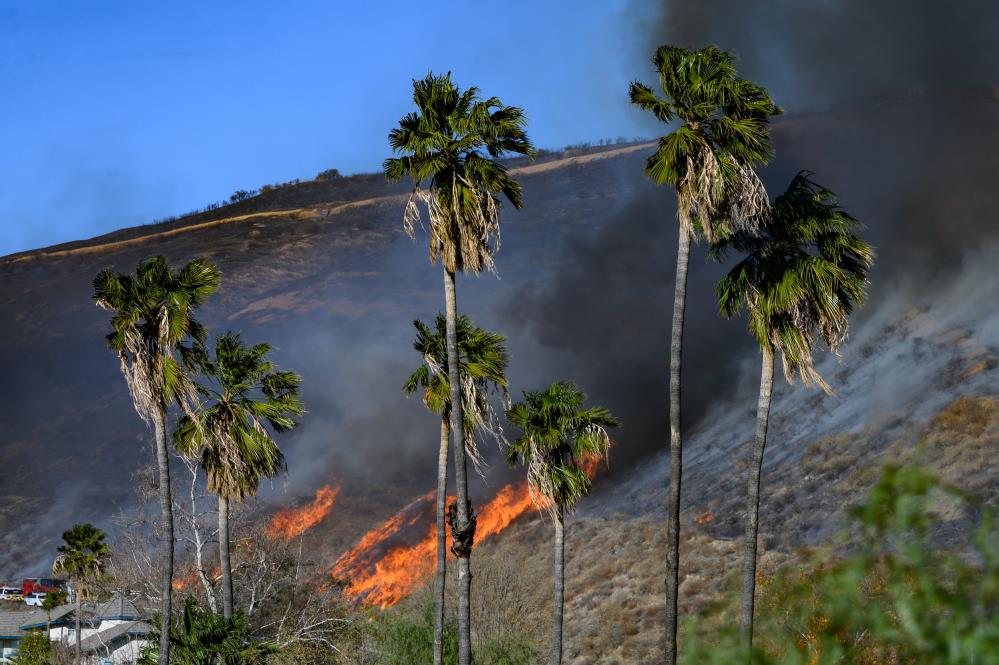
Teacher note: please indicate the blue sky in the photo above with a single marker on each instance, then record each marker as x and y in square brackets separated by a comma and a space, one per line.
[116, 113]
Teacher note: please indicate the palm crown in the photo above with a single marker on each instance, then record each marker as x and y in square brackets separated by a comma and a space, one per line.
[482, 363]
[452, 141]
[709, 157]
[151, 315]
[803, 273]
[83, 554]
[558, 435]
[246, 393]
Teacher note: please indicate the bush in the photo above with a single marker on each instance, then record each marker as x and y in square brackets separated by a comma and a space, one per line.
[205, 638]
[34, 649]
[402, 639]
[329, 174]
[241, 195]
[405, 636]
[897, 599]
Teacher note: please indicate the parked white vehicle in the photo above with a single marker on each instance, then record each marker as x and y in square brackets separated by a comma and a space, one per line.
[35, 599]
[10, 593]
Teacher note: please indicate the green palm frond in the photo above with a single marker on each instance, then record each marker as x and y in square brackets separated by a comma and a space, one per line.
[557, 438]
[482, 364]
[722, 136]
[449, 148]
[83, 554]
[245, 395]
[151, 319]
[801, 276]
[205, 638]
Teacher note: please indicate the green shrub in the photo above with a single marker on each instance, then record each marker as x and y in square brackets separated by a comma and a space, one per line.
[205, 638]
[897, 599]
[34, 649]
[407, 638]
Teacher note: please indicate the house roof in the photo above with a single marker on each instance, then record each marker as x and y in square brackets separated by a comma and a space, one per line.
[10, 623]
[105, 638]
[118, 608]
[40, 618]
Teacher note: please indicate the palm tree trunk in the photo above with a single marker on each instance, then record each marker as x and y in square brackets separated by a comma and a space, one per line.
[559, 587]
[463, 535]
[166, 535]
[224, 561]
[675, 447]
[441, 545]
[79, 611]
[753, 498]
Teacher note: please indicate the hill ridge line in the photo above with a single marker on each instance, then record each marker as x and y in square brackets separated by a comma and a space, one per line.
[327, 211]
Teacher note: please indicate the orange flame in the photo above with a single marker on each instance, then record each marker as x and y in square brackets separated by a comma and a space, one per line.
[290, 523]
[186, 582]
[385, 579]
[182, 583]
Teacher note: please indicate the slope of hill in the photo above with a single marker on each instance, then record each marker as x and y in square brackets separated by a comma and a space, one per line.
[322, 270]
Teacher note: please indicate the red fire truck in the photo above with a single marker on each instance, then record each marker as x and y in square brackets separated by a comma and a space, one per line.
[41, 585]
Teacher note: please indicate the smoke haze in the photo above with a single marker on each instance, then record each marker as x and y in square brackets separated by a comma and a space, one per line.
[816, 53]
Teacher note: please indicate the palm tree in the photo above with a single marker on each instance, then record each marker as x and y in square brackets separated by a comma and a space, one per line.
[482, 360]
[229, 435]
[53, 599]
[802, 274]
[442, 145]
[558, 437]
[709, 159]
[81, 558]
[151, 317]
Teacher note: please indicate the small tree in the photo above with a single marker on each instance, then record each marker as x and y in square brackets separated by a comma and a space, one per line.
[82, 558]
[34, 649]
[558, 437]
[328, 174]
[53, 599]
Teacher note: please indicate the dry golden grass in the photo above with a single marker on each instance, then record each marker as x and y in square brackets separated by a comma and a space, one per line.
[614, 564]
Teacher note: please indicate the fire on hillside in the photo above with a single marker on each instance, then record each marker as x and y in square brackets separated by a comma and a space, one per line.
[289, 523]
[382, 574]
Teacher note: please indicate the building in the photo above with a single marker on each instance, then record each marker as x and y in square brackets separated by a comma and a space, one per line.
[111, 631]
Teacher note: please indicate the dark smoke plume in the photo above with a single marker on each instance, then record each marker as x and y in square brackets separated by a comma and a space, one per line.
[813, 53]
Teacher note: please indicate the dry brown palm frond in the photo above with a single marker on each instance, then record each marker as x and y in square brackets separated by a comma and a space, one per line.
[719, 204]
[485, 422]
[750, 206]
[478, 231]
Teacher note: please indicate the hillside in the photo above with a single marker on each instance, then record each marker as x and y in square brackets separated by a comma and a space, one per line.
[322, 270]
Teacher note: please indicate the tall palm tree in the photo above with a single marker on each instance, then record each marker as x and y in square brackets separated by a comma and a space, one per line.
[81, 558]
[801, 276]
[722, 133]
[229, 433]
[558, 437]
[152, 316]
[451, 144]
[482, 363]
